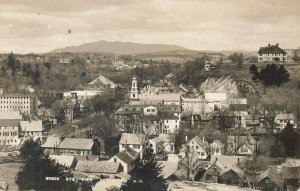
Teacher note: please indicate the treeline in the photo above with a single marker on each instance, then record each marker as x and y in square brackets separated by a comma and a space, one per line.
[271, 74]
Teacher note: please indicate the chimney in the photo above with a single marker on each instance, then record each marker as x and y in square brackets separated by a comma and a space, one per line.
[186, 138]
[277, 44]
[269, 45]
[203, 139]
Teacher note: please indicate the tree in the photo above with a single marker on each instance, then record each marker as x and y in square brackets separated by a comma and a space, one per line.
[289, 138]
[146, 176]
[38, 167]
[253, 168]
[225, 120]
[274, 74]
[237, 58]
[253, 68]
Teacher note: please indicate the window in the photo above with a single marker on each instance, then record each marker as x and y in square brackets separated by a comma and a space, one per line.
[197, 147]
[136, 146]
[148, 110]
[153, 110]
[202, 153]
[217, 150]
[115, 159]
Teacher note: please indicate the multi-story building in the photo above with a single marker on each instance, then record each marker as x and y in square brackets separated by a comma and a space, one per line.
[24, 103]
[9, 132]
[271, 53]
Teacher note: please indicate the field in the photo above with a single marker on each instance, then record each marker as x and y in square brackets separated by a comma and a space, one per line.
[8, 173]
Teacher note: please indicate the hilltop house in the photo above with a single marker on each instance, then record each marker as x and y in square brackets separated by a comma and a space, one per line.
[271, 53]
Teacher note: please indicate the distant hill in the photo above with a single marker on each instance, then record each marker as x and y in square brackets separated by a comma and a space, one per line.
[119, 47]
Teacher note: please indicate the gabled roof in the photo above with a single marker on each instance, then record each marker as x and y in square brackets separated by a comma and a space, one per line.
[274, 173]
[226, 161]
[219, 144]
[285, 116]
[272, 49]
[76, 143]
[128, 155]
[9, 122]
[291, 172]
[63, 160]
[199, 141]
[168, 168]
[51, 142]
[132, 138]
[97, 167]
[235, 169]
[31, 126]
[103, 80]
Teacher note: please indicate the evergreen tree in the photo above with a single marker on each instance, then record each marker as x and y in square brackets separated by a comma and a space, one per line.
[253, 68]
[290, 140]
[38, 167]
[146, 176]
[274, 74]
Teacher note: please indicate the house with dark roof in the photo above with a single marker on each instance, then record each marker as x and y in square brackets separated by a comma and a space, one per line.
[127, 159]
[73, 146]
[224, 169]
[291, 176]
[271, 53]
[270, 179]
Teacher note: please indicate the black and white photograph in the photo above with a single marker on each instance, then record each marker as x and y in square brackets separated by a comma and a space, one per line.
[149, 95]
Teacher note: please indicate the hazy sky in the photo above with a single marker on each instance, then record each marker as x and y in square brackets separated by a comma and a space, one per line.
[42, 25]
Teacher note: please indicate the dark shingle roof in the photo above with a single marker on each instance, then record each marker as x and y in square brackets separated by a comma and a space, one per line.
[273, 49]
[128, 155]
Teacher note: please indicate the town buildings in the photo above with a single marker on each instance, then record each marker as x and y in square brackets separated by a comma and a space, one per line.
[24, 103]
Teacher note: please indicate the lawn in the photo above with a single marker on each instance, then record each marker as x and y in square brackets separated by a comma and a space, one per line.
[8, 173]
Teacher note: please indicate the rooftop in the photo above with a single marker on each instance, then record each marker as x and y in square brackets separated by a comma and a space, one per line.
[64, 160]
[103, 80]
[97, 167]
[31, 126]
[271, 49]
[131, 138]
[76, 143]
[128, 155]
[9, 122]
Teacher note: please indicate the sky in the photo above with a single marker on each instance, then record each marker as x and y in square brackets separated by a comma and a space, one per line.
[43, 25]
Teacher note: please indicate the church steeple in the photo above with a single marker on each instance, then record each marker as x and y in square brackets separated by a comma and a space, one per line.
[134, 89]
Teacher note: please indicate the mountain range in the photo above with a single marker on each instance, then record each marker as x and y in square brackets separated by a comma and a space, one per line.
[119, 47]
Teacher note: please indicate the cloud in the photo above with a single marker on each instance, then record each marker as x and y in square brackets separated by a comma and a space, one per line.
[29, 25]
